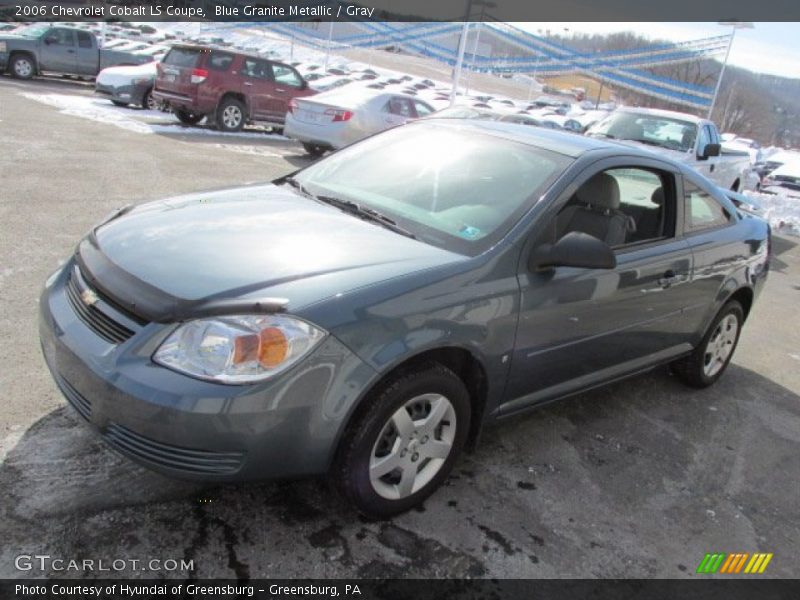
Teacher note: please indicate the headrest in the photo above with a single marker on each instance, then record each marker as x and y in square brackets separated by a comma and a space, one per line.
[657, 197]
[602, 191]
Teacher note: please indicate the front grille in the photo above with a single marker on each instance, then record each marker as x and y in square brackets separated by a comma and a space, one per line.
[75, 398]
[195, 462]
[95, 319]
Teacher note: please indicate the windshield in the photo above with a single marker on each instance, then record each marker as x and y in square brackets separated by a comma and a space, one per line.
[31, 31]
[653, 130]
[458, 189]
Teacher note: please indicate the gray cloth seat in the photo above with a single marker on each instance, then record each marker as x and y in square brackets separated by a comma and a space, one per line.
[594, 209]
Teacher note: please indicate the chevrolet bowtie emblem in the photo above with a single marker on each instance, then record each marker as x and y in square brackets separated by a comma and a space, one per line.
[89, 297]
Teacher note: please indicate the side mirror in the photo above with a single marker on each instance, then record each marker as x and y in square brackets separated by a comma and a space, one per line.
[575, 249]
[709, 150]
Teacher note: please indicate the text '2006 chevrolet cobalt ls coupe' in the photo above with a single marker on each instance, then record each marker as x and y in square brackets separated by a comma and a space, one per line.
[366, 316]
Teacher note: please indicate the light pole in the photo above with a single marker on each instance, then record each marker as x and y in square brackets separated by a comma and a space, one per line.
[734, 25]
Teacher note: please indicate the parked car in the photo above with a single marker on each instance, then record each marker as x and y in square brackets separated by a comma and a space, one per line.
[367, 316]
[39, 48]
[784, 180]
[682, 137]
[335, 119]
[128, 85]
[231, 88]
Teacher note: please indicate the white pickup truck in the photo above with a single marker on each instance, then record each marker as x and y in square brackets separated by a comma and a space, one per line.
[682, 137]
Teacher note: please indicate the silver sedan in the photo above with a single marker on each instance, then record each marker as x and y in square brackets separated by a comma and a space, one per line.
[332, 120]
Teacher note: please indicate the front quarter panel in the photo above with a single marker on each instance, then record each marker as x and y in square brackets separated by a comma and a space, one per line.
[472, 305]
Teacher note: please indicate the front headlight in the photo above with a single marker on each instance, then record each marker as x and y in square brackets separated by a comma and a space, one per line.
[238, 349]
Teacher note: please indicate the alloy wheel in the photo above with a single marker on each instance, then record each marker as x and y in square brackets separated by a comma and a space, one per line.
[412, 446]
[231, 117]
[23, 68]
[720, 345]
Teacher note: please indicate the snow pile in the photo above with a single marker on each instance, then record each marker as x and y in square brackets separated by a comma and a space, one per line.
[134, 120]
[782, 212]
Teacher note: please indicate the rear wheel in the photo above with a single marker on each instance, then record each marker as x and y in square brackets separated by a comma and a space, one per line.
[22, 66]
[402, 447]
[711, 357]
[313, 149]
[188, 118]
[230, 115]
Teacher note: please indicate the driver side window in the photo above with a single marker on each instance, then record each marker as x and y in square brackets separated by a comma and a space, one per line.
[621, 207]
[61, 37]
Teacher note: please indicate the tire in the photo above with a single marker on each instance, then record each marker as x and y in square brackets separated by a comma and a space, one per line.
[148, 102]
[313, 149]
[415, 461]
[118, 103]
[188, 118]
[230, 115]
[709, 360]
[22, 66]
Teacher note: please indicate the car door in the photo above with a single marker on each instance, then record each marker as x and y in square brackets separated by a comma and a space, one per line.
[86, 54]
[58, 51]
[578, 327]
[288, 84]
[257, 87]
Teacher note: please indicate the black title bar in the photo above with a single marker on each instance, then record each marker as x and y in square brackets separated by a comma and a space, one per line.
[400, 10]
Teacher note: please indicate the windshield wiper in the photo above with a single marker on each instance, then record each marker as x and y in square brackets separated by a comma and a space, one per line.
[298, 186]
[352, 208]
[368, 214]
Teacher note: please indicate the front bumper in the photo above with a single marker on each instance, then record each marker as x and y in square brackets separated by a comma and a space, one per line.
[187, 428]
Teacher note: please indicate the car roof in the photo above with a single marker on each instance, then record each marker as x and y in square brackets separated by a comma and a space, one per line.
[201, 47]
[658, 112]
[562, 142]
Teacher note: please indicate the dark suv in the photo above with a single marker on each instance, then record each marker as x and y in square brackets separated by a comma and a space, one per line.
[230, 88]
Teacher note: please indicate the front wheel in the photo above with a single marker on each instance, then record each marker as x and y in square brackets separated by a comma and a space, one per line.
[711, 357]
[22, 67]
[230, 115]
[404, 444]
[188, 118]
[148, 102]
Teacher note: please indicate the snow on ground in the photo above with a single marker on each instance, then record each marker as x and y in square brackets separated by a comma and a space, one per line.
[137, 121]
[782, 212]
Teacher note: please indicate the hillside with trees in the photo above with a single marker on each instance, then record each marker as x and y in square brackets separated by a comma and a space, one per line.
[763, 107]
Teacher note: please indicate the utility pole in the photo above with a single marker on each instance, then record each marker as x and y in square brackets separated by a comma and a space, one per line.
[734, 25]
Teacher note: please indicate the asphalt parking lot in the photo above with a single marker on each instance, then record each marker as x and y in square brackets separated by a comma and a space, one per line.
[639, 479]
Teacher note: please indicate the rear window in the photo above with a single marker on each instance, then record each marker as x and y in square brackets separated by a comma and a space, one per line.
[182, 57]
[220, 61]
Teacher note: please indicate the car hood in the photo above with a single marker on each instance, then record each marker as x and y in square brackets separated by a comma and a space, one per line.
[125, 75]
[232, 249]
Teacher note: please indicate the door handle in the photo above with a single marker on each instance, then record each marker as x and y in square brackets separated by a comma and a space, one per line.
[247, 83]
[711, 168]
[669, 278]
[281, 90]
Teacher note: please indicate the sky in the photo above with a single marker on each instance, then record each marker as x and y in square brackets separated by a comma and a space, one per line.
[772, 48]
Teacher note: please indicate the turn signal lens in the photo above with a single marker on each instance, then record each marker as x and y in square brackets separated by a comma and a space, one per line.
[238, 349]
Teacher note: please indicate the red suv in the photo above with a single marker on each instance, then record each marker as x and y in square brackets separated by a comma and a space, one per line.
[230, 88]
